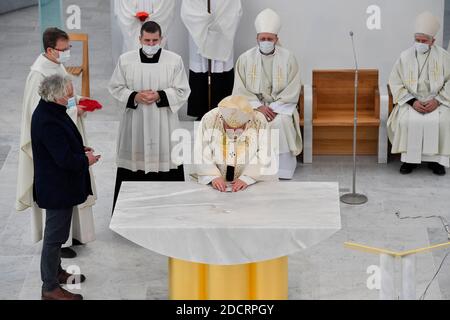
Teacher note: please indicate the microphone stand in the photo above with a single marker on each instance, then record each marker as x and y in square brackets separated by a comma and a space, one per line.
[209, 71]
[354, 198]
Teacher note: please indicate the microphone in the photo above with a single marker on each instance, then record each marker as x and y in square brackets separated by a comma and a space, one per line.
[354, 49]
[354, 198]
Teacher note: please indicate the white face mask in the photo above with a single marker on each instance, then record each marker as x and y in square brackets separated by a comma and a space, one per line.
[151, 50]
[422, 47]
[71, 103]
[266, 47]
[64, 56]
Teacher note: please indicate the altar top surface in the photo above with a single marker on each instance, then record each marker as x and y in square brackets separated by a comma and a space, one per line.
[193, 222]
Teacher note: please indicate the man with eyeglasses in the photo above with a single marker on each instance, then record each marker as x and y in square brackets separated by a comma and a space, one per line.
[56, 52]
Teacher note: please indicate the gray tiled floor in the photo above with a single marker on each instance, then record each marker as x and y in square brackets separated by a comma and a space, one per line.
[4, 150]
[118, 269]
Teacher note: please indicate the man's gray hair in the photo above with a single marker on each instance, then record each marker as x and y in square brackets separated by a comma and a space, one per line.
[54, 87]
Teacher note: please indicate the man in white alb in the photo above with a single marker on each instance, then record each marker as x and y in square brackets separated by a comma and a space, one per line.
[419, 125]
[268, 75]
[211, 38]
[57, 51]
[151, 85]
[132, 14]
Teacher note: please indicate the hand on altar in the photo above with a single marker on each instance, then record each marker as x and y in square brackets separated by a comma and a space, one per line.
[431, 105]
[267, 112]
[219, 184]
[239, 185]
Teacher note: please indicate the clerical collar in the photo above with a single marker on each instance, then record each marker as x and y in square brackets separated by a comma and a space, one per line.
[146, 59]
[268, 55]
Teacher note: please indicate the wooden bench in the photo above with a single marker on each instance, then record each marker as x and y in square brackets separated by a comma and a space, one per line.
[82, 70]
[332, 114]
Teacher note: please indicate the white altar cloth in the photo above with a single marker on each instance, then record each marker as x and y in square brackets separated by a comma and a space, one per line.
[193, 222]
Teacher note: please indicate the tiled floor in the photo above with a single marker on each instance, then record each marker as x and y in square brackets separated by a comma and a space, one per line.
[118, 269]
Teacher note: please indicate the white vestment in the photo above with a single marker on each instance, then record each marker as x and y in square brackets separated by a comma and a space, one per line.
[83, 220]
[430, 138]
[160, 11]
[215, 150]
[144, 141]
[274, 81]
[211, 34]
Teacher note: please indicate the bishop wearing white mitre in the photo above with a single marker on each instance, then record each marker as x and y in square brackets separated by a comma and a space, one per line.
[57, 50]
[130, 22]
[211, 36]
[230, 146]
[419, 126]
[268, 75]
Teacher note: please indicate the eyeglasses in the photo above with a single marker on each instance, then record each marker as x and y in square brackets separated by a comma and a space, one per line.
[64, 50]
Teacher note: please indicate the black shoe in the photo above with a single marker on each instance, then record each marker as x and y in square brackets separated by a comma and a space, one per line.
[67, 253]
[407, 168]
[75, 242]
[437, 169]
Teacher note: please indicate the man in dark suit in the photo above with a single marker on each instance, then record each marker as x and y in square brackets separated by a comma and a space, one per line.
[61, 179]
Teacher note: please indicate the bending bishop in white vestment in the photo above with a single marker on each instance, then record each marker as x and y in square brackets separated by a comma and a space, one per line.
[232, 147]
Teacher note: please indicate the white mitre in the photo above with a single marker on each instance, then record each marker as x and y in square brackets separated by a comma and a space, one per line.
[427, 23]
[236, 111]
[268, 21]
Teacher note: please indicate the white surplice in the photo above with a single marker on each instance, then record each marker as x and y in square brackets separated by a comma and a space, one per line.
[83, 221]
[160, 11]
[211, 34]
[144, 141]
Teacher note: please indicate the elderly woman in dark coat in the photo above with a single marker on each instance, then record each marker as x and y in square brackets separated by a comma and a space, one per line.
[61, 178]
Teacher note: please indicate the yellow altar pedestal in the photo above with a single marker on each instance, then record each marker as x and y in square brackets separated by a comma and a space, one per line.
[266, 280]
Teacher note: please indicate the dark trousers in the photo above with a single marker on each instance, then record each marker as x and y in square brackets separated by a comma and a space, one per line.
[57, 230]
[128, 175]
[221, 87]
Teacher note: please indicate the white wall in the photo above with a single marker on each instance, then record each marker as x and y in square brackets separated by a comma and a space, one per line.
[317, 31]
